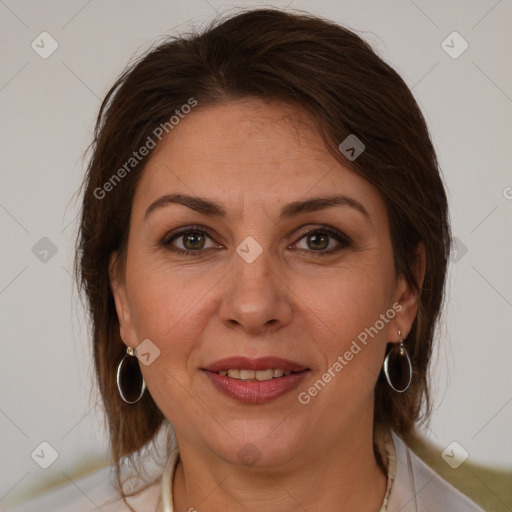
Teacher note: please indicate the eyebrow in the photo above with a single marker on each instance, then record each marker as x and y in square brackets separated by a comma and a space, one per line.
[211, 208]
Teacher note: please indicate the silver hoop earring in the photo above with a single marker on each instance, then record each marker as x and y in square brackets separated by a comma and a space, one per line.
[398, 367]
[130, 383]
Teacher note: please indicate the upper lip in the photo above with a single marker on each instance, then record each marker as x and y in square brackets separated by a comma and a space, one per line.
[260, 363]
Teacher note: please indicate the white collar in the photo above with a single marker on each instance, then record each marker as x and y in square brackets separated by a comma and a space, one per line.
[166, 501]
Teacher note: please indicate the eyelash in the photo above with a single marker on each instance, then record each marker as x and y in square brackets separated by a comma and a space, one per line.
[341, 238]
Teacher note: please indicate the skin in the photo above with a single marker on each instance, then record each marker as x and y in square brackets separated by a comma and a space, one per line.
[253, 158]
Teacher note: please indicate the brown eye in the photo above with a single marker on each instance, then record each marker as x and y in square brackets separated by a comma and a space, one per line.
[317, 241]
[322, 241]
[193, 240]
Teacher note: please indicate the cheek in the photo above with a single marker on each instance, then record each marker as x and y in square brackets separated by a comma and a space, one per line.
[351, 299]
[170, 310]
[351, 312]
[173, 314]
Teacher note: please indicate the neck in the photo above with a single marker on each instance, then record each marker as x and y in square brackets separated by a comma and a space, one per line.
[344, 475]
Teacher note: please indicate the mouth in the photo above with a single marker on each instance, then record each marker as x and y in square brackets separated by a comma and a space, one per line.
[255, 381]
[259, 375]
[261, 364]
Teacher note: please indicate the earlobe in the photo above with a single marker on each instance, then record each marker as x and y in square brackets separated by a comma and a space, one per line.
[421, 264]
[409, 297]
[117, 285]
[114, 278]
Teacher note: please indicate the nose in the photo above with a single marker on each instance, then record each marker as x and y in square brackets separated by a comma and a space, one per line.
[256, 300]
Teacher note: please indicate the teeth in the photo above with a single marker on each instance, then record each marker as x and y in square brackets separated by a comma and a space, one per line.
[264, 374]
[247, 374]
[259, 375]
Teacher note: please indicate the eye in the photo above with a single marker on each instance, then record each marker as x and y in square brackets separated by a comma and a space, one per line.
[196, 241]
[322, 240]
[191, 240]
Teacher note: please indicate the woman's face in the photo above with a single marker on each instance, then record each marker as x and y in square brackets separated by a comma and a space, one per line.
[249, 240]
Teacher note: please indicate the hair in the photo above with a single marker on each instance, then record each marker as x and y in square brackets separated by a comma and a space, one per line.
[270, 55]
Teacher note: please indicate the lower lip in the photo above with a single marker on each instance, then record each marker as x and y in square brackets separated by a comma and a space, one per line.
[253, 391]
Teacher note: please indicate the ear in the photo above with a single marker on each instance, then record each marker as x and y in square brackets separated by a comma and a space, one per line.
[407, 298]
[118, 287]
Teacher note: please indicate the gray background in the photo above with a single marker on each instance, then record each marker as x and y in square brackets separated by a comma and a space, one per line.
[48, 110]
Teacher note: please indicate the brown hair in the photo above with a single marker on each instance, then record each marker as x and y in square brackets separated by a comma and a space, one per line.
[347, 89]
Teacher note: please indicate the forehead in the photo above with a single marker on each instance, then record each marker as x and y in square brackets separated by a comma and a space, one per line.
[247, 152]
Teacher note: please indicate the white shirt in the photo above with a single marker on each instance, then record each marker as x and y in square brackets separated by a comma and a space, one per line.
[412, 487]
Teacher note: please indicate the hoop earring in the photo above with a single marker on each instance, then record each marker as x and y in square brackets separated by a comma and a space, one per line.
[398, 368]
[130, 383]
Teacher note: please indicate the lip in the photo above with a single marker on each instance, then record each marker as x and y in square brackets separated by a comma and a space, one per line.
[261, 363]
[255, 392]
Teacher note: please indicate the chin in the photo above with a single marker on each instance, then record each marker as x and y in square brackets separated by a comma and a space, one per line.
[259, 446]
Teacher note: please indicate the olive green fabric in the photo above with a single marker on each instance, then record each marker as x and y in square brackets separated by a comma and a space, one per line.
[488, 487]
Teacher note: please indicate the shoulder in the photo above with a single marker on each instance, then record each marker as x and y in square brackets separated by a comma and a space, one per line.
[418, 488]
[91, 493]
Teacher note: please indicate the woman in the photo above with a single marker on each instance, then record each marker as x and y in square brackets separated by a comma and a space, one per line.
[263, 246]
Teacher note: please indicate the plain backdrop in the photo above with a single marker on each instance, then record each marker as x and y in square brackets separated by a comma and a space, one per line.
[48, 108]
